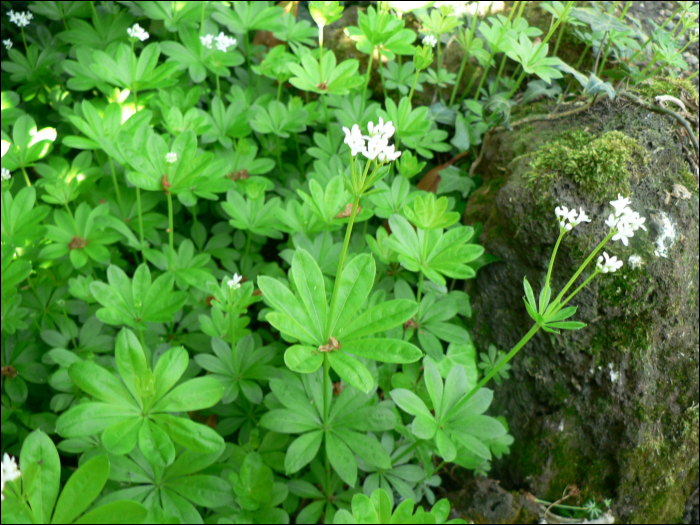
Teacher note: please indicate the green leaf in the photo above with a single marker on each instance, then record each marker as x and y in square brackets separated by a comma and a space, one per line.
[303, 359]
[195, 394]
[384, 350]
[281, 298]
[410, 402]
[342, 459]
[351, 371]
[363, 510]
[311, 287]
[117, 512]
[194, 436]
[433, 382]
[356, 283]
[446, 447]
[130, 360]
[41, 473]
[379, 318]
[302, 451]
[424, 427]
[155, 445]
[120, 438]
[366, 447]
[81, 489]
[100, 384]
[91, 418]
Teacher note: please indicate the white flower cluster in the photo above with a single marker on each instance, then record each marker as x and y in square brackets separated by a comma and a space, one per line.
[569, 219]
[223, 42]
[171, 158]
[6, 175]
[21, 19]
[235, 282]
[624, 221]
[7, 43]
[136, 31]
[376, 144]
[611, 264]
[430, 40]
[10, 471]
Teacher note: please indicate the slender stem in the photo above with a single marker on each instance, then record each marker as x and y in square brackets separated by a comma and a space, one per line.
[325, 111]
[278, 152]
[201, 23]
[606, 52]
[65, 315]
[171, 230]
[561, 33]
[555, 304]
[232, 335]
[493, 371]
[69, 212]
[24, 40]
[420, 287]
[439, 65]
[413, 87]
[459, 78]
[247, 249]
[406, 452]
[517, 84]
[26, 177]
[218, 86]
[554, 254]
[585, 283]
[323, 244]
[327, 393]
[367, 78]
[381, 74]
[116, 186]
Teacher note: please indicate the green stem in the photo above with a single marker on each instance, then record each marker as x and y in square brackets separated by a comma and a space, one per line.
[325, 111]
[459, 78]
[420, 287]
[381, 74]
[413, 87]
[69, 212]
[171, 230]
[232, 336]
[606, 52]
[138, 204]
[555, 306]
[327, 393]
[439, 65]
[407, 451]
[116, 186]
[517, 84]
[561, 33]
[24, 40]
[218, 87]
[551, 260]
[26, 177]
[364, 89]
[585, 283]
[247, 249]
[65, 315]
[493, 371]
[201, 23]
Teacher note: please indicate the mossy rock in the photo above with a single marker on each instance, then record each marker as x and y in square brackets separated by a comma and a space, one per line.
[612, 408]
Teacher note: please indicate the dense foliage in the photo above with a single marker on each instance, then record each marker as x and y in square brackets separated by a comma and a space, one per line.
[224, 296]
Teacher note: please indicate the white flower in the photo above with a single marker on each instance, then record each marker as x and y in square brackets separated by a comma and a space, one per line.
[389, 154]
[223, 42]
[171, 158]
[7, 43]
[624, 233]
[375, 146]
[354, 139]
[569, 219]
[635, 261]
[620, 205]
[10, 471]
[383, 130]
[582, 217]
[235, 282]
[20, 19]
[6, 175]
[611, 264]
[612, 221]
[136, 31]
[430, 40]
[207, 40]
[634, 220]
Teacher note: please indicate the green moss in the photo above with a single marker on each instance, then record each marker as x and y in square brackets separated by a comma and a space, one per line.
[664, 472]
[657, 86]
[599, 165]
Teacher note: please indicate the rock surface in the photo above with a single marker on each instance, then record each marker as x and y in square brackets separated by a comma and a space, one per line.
[612, 408]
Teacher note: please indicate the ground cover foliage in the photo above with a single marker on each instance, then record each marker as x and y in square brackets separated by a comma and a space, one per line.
[227, 293]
